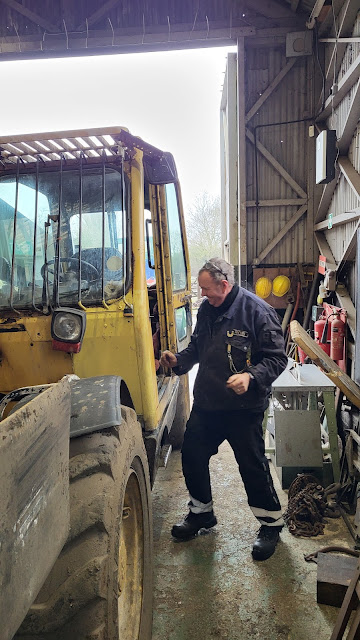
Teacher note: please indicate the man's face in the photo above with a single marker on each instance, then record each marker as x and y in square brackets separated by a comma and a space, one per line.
[215, 291]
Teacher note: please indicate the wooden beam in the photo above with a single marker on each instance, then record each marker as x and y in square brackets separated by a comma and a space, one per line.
[107, 6]
[33, 17]
[230, 160]
[290, 223]
[242, 217]
[346, 303]
[325, 250]
[352, 118]
[349, 388]
[282, 202]
[326, 197]
[130, 40]
[342, 218]
[270, 9]
[351, 175]
[277, 166]
[347, 81]
[271, 87]
[349, 251]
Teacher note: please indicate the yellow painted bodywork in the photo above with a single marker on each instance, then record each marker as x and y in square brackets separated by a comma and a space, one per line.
[115, 343]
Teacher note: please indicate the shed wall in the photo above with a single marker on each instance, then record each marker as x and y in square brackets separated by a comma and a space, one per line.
[288, 143]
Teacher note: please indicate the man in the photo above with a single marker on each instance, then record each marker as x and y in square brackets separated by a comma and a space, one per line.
[239, 346]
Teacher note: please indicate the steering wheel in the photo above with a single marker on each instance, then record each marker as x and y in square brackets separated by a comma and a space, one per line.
[87, 265]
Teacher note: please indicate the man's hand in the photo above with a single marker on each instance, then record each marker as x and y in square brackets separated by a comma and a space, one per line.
[168, 359]
[238, 383]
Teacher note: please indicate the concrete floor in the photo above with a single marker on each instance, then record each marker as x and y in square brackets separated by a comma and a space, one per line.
[210, 587]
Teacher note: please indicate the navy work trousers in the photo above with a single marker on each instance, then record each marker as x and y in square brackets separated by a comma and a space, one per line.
[205, 431]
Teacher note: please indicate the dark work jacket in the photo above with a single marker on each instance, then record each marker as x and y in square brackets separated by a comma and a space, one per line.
[252, 328]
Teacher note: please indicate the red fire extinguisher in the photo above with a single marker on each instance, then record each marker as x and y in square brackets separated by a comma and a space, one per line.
[337, 337]
[323, 340]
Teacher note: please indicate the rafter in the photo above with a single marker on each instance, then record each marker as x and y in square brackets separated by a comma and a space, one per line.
[277, 166]
[272, 244]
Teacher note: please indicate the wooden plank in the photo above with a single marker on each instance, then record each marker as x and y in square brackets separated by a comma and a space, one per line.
[290, 223]
[342, 218]
[282, 202]
[325, 250]
[277, 166]
[326, 197]
[351, 175]
[310, 248]
[270, 88]
[350, 389]
[346, 303]
[242, 218]
[34, 17]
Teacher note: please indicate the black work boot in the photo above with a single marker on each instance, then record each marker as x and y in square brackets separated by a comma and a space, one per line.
[192, 524]
[265, 543]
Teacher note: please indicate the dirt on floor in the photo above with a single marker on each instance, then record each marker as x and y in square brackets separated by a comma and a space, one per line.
[210, 587]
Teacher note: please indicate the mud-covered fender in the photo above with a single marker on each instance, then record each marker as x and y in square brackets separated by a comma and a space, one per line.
[95, 404]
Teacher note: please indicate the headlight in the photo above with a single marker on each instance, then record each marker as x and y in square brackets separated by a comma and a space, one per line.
[67, 329]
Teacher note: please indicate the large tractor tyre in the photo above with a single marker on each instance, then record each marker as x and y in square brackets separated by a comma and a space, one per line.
[101, 585]
[176, 435]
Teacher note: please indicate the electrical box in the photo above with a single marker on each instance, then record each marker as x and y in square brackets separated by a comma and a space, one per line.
[299, 43]
[325, 156]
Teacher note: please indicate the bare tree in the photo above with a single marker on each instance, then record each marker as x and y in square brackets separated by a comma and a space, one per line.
[203, 224]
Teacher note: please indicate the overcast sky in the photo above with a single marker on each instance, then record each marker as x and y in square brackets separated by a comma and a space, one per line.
[171, 99]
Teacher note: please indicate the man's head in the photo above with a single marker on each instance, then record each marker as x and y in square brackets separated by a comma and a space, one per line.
[216, 279]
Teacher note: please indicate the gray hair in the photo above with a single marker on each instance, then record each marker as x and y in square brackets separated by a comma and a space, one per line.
[219, 270]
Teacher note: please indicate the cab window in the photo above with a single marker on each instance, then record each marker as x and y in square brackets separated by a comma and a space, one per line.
[178, 268]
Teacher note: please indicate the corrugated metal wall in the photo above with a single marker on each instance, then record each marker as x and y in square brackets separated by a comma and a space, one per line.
[288, 143]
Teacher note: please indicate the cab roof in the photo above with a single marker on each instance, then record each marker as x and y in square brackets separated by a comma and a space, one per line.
[69, 145]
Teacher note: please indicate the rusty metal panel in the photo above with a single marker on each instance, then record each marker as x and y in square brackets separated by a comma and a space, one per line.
[288, 144]
[34, 499]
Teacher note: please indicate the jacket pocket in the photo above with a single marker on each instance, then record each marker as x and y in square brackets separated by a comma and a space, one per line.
[238, 351]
